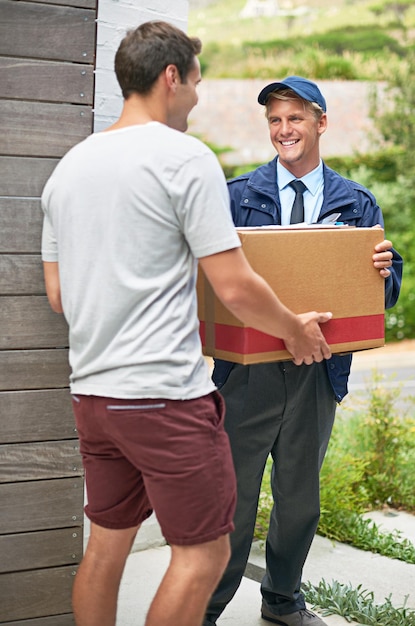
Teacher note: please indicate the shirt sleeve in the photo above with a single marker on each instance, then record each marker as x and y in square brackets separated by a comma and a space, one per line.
[201, 200]
[49, 243]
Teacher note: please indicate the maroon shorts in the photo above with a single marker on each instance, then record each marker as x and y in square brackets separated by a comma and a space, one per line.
[170, 456]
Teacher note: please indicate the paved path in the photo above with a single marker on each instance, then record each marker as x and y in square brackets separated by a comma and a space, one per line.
[327, 560]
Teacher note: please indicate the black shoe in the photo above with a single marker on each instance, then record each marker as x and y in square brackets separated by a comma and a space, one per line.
[299, 618]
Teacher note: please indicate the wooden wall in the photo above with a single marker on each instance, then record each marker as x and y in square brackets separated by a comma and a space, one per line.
[47, 52]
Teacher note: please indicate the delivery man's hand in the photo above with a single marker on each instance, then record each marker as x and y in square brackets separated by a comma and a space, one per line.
[382, 259]
[309, 345]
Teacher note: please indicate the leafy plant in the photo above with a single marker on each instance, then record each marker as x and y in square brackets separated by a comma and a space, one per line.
[356, 605]
[351, 528]
[382, 440]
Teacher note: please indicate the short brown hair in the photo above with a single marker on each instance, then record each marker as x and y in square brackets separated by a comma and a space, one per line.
[146, 51]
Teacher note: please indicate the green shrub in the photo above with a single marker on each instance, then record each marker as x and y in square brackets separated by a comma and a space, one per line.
[382, 440]
[357, 39]
[347, 53]
[339, 40]
[380, 166]
[342, 492]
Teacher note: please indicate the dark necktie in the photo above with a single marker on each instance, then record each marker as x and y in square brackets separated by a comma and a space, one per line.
[297, 211]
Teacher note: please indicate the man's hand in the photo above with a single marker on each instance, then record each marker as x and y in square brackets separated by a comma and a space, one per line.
[309, 345]
[246, 294]
[382, 259]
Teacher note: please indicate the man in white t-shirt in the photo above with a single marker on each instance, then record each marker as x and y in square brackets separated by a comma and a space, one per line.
[128, 214]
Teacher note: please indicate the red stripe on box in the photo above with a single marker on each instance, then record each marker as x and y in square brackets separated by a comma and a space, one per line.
[250, 341]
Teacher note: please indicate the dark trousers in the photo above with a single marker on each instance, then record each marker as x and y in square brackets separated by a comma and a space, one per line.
[286, 411]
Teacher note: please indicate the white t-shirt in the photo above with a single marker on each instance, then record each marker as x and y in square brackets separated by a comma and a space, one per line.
[127, 213]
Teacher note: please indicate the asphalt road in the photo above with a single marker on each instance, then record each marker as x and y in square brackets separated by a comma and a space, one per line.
[393, 366]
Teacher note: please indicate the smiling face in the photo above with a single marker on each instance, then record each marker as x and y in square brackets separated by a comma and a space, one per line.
[295, 130]
[185, 97]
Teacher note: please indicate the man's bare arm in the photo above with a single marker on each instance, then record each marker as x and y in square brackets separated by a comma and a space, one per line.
[53, 287]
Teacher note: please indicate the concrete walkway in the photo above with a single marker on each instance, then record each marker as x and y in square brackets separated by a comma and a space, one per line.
[327, 560]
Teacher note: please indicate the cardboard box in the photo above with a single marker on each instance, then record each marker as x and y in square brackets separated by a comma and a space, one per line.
[312, 268]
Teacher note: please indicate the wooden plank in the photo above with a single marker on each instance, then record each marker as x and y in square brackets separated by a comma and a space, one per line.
[42, 129]
[21, 222]
[33, 369]
[36, 593]
[41, 505]
[54, 620]
[39, 461]
[51, 548]
[41, 31]
[29, 322]
[43, 415]
[27, 79]
[24, 176]
[21, 274]
[83, 4]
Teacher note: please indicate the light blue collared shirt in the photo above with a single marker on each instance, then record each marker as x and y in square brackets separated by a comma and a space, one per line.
[313, 197]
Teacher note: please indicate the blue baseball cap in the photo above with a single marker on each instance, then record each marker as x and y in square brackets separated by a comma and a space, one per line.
[303, 87]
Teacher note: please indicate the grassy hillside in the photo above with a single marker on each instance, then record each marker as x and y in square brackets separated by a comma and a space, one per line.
[220, 22]
[348, 41]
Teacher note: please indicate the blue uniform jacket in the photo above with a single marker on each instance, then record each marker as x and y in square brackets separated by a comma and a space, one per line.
[255, 202]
